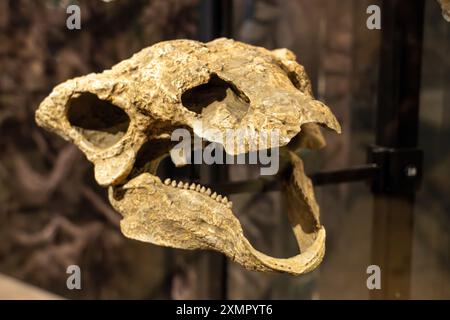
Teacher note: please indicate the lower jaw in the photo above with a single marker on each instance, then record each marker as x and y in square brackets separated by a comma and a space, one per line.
[190, 216]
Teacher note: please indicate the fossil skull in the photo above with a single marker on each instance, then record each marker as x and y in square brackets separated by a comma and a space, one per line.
[134, 107]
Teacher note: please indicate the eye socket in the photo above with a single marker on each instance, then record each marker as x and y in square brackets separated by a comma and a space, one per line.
[99, 121]
[214, 94]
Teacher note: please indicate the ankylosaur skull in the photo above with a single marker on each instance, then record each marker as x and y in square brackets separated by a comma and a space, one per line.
[224, 84]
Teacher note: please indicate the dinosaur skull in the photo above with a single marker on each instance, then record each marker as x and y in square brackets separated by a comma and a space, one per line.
[445, 5]
[133, 108]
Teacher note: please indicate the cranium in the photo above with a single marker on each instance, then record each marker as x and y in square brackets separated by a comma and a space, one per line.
[133, 108]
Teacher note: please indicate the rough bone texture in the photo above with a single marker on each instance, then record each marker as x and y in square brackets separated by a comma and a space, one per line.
[122, 120]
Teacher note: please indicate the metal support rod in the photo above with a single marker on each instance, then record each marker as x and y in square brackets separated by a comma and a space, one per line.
[263, 184]
[355, 174]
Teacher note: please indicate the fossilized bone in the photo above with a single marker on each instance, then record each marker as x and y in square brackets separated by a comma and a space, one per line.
[224, 84]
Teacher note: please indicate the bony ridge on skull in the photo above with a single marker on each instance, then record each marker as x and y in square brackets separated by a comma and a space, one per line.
[116, 116]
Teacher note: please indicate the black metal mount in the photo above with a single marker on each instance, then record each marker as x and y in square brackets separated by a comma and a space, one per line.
[399, 170]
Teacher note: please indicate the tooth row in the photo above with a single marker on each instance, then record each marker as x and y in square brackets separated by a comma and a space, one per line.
[201, 189]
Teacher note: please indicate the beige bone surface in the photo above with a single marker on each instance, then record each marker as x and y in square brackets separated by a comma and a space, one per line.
[118, 115]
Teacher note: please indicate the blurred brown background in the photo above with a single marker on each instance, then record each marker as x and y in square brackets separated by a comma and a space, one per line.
[53, 214]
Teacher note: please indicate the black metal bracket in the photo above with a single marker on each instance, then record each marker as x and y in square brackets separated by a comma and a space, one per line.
[388, 171]
[399, 169]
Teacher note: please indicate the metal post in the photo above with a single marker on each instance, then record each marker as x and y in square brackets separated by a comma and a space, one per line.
[397, 132]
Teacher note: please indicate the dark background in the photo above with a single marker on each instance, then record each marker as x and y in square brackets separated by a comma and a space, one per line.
[53, 214]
